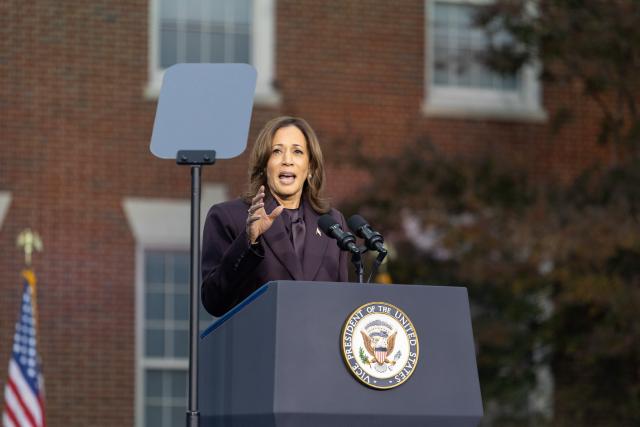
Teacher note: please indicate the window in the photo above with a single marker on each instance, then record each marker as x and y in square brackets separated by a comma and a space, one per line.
[458, 82]
[213, 31]
[166, 336]
[161, 228]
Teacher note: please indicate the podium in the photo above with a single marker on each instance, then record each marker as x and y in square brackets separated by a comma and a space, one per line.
[277, 359]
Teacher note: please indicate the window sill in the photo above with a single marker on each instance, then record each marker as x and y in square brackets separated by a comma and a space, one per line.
[480, 112]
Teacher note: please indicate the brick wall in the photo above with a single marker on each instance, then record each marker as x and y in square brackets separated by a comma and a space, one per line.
[74, 135]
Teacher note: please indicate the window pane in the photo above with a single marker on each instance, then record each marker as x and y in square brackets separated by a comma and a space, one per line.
[241, 47]
[154, 268]
[169, 10]
[214, 13]
[510, 82]
[154, 343]
[178, 415]
[194, 46]
[441, 13]
[168, 45]
[216, 42]
[181, 306]
[153, 383]
[168, 49]
[153, 415]
[195, 10]
[179, 384]
[204, 31]
[181, 343]
[181, 268]
[154, 306]
[481, 76]
[242, 11]
[458, 47]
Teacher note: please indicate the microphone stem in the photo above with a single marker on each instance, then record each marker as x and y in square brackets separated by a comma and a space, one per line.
[376, 265]
[356, 259]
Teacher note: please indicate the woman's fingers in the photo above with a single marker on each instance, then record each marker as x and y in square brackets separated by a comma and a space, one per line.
[276, 212]
[259, 195]
[255, 207]
[252, 218]
[257, 219]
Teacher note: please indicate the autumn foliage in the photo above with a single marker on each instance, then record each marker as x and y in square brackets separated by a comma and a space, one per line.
[553, 275]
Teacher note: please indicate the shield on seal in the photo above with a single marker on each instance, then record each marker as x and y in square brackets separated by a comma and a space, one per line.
[380, 354]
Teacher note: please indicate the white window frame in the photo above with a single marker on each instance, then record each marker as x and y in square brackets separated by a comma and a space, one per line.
[5, 201]
[159, 224]
[439, 101]
[263, 52]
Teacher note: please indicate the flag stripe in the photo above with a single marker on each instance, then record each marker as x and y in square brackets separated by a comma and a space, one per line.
[6, 421]
[14, 407]
[24, 408]
[30, 400]
[43, 422]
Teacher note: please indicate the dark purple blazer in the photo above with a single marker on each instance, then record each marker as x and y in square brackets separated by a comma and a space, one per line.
[232, 269]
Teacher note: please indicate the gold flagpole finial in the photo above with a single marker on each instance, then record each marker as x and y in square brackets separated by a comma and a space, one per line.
[30, 241]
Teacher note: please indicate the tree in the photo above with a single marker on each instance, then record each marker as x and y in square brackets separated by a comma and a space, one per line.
[553, 276]
[591, 45]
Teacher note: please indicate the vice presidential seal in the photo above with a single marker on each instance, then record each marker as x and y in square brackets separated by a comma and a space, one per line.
[380, 345]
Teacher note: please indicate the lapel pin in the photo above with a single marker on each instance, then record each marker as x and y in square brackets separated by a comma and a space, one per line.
[318, 231]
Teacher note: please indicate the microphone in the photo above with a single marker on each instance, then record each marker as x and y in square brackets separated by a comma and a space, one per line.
[346, 240]
[372, 239]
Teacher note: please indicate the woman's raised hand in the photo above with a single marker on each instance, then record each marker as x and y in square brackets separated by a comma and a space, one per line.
[258, 221]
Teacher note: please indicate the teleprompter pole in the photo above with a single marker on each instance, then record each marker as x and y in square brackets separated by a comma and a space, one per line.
[195, 159]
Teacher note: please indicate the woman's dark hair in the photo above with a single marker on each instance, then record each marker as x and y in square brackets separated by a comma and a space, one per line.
[261, 152]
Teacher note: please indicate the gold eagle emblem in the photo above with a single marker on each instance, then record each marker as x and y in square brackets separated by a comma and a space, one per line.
[379, 347]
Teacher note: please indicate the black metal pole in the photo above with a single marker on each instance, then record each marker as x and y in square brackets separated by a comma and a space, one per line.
[356, 260]
[196, 159]
[193, 415]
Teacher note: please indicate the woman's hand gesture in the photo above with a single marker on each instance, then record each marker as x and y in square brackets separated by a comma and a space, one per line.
[258, 221]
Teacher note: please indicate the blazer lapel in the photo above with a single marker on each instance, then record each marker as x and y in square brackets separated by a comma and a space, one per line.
[315, 243]
[277, 239]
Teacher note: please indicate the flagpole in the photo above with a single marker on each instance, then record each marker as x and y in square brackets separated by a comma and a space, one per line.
[30, 277]
[24, 388]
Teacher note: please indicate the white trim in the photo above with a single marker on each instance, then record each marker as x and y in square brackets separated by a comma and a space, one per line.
[139, 334]
[165, 223]
[159, 224]
[155, 223]
[5, 201]
[476, 103]
[263, 52]
[166, 363]
[483, 112]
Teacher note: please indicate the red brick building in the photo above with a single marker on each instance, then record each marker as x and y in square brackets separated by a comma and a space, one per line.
[78, 87]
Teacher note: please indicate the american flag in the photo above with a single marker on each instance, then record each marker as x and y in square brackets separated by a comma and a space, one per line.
[23, 393]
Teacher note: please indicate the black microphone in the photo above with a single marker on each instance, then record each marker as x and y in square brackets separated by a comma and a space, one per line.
[330, 227]
[372, 239]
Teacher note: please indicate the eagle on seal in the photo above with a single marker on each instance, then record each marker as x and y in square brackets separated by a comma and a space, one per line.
[379, 346]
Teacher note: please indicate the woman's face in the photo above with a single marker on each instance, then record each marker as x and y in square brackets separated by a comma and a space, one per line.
[288, 166]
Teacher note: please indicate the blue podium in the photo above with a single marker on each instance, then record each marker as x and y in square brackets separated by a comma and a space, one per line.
[277, 359]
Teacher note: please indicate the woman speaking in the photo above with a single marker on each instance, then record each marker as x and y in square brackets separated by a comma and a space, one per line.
[272, 232]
